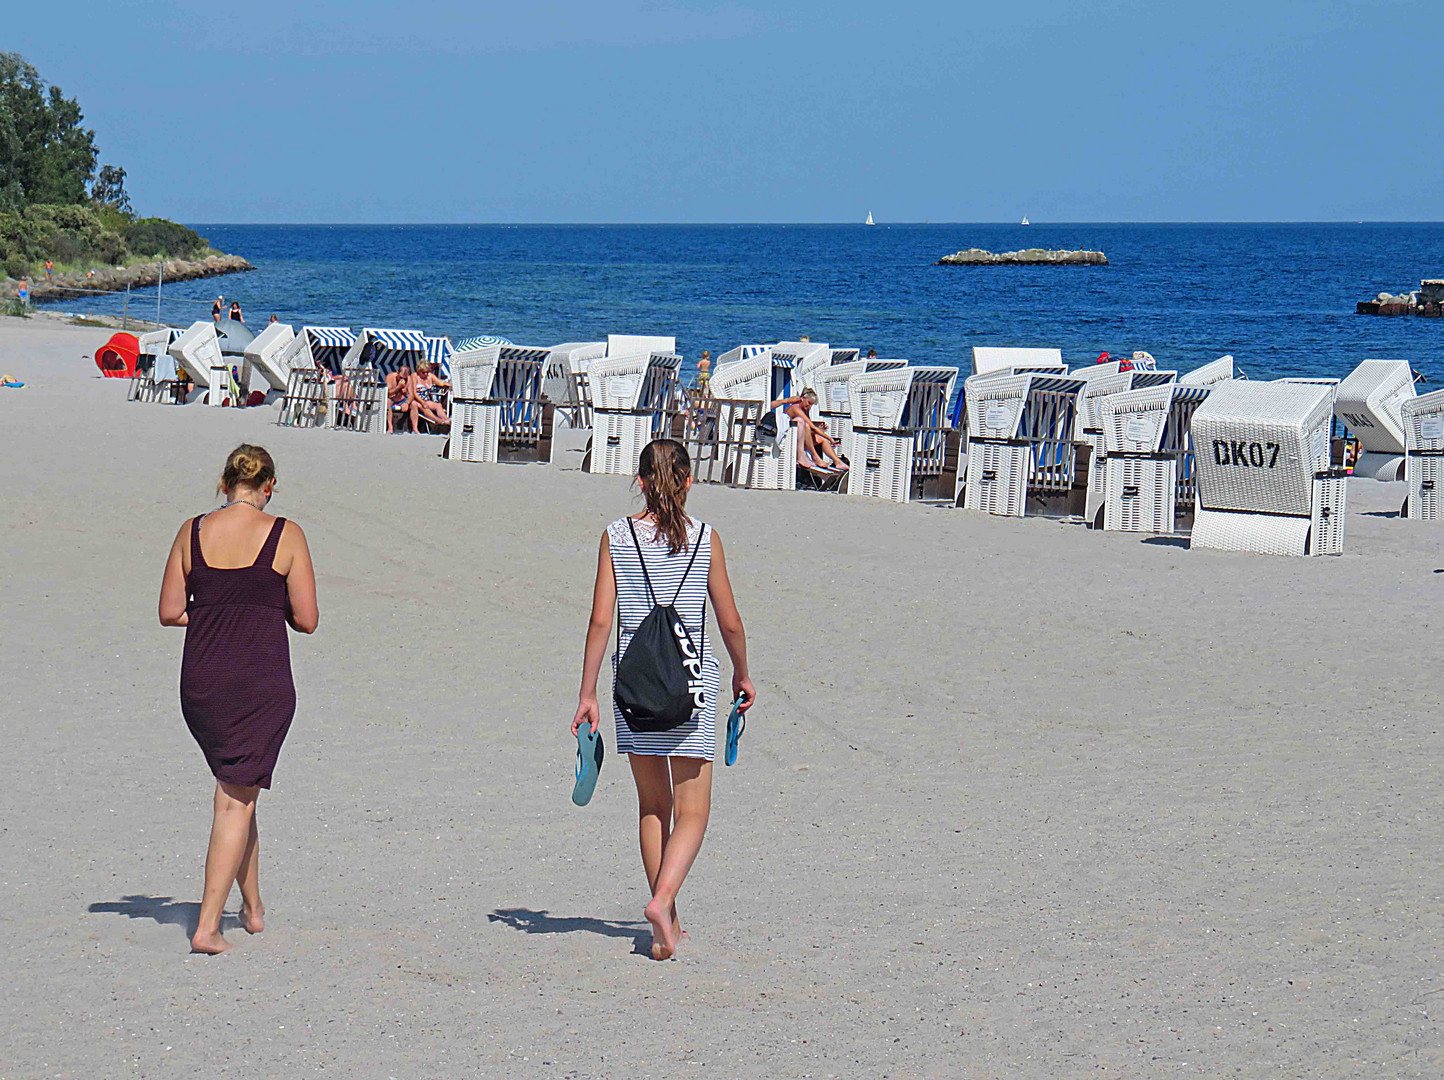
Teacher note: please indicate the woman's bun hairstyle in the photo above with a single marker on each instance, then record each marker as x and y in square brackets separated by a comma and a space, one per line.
[247, 464]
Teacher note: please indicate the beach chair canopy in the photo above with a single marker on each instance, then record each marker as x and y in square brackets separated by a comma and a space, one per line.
[158, 342]
[387, 350]
[630, 344]
[1258, 446]
[740, 352]
[1210, 374]
[765, 376]
[1148, 420]
[564, 362]
[323, 345]
[636, 383]
[1090, 399]
[991, 358]
[478, 341]
[833, 397]
[1423, 418]
[197, 350]
[806, 357]
[438, 354]
[266, 350]
[233, 336]
[1369, 402]
[901, 399]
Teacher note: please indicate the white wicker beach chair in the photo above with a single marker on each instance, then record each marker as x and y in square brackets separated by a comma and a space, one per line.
[900, 433]
[1147, 468]
[806, 357]
[564, 383]
[155, 373]
[1088, 420]
[1210, 374]
[988, 359]
[197, 352]
[1020, 441]
[633, 401]
[1264, 480]
[498, 412]
[740, 352]
[317, 346]
[765, 377]
[1423, 418]
[834, 403]
[1369, 403]
[264, 354]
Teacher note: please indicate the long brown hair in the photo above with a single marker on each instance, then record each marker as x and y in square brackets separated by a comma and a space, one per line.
[247, 464]
[666, 468]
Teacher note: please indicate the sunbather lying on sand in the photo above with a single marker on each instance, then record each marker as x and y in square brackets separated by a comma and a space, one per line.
[815, 447]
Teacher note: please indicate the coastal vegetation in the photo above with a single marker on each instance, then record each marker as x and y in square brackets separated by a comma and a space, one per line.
[56, 205]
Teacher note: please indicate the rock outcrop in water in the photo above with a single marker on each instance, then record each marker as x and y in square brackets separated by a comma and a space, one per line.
[115, 279]
[1027, 257]
[1427, 300]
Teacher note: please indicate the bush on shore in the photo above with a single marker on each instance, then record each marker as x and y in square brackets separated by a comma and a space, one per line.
[78, 235]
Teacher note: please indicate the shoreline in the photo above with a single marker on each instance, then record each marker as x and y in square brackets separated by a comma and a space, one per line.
[117, 279]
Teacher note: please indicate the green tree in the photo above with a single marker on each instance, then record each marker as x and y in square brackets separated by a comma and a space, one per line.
[46, 156]
[109, 188]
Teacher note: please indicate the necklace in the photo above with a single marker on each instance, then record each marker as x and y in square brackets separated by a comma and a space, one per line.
[241, 502]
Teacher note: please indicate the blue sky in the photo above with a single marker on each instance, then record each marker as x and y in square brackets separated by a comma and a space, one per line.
[437, 111]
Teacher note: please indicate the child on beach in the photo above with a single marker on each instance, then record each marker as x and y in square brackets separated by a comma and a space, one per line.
[662, 553]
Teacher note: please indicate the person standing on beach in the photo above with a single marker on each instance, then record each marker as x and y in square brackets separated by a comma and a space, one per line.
[704, 373]
[235, 578]
[216, 308]
[49, 270]
[236, 315]
[665, 550]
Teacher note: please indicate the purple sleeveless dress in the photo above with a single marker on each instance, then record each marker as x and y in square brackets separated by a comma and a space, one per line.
[235, 686]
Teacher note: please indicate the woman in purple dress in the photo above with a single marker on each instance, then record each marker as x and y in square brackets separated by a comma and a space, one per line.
[235, 578]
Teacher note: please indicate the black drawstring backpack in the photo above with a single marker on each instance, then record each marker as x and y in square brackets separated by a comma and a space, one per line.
[658, 685]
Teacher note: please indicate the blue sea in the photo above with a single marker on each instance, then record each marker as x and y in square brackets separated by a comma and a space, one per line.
[1279, 297]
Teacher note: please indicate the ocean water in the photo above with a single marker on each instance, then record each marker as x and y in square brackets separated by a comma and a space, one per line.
[1279, 297]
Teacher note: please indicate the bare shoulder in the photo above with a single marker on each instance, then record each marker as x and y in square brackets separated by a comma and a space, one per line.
[293, 533]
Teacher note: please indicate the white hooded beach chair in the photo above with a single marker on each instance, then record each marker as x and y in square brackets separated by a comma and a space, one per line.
[899, 437]
[758, 379]
[1148, 466]
[1264, 479]
[633, 401]
[155, 373]
[1020, 431]
[265, 351]
[1088, 419]
[1423, 418]
[565, 382]
[498, 412]
[807, 357]
[1210, 374]
[834, 403]
[312, 355]
[197, 352]
[1369, 403]
[988, 359]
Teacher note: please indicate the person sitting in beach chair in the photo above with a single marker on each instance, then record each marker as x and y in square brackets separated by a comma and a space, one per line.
[815, 447]
[429, 390]
[400, 395]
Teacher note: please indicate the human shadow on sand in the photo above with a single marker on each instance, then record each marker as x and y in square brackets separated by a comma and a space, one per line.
[165, 910]
[540, 922]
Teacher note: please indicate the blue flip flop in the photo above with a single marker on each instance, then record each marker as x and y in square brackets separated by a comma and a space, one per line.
[736, 725]
[589, 764]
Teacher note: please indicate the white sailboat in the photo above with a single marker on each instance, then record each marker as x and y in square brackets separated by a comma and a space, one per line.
[869, 220]
[1025, 219]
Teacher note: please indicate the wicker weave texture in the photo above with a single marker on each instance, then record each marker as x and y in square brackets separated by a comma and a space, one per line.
[1424, 475]
[1423, 421]
[1140, 494]
[882, 466]
[1263, 534]
[994, 404]
[997, 478]
[1210, 374]
[617, 441]
[1370, 401]
[265, 351]
[475, 431]
[774, 464]
[1326, 524]
[1258, 446]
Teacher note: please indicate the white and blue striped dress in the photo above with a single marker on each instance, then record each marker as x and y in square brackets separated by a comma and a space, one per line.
[696, 738]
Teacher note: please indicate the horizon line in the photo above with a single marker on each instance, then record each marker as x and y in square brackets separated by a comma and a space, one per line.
[808, 224]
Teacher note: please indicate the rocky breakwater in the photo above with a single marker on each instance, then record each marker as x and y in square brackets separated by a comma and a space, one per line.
[1427, 300]
[118, 278]
[1027, 257]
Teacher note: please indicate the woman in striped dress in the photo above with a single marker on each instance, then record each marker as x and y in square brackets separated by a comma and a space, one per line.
[672, 769]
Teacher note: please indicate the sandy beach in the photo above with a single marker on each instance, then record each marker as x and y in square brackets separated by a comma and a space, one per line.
[1017, 799]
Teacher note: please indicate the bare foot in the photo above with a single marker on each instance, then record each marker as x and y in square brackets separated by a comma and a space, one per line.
[664, 933]
[209, 942]
[682, 935]
[253, 921]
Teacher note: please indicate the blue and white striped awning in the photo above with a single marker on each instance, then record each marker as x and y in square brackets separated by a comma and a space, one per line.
[398, 340]
[335, 337]
[480, 342]
[438, 351]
